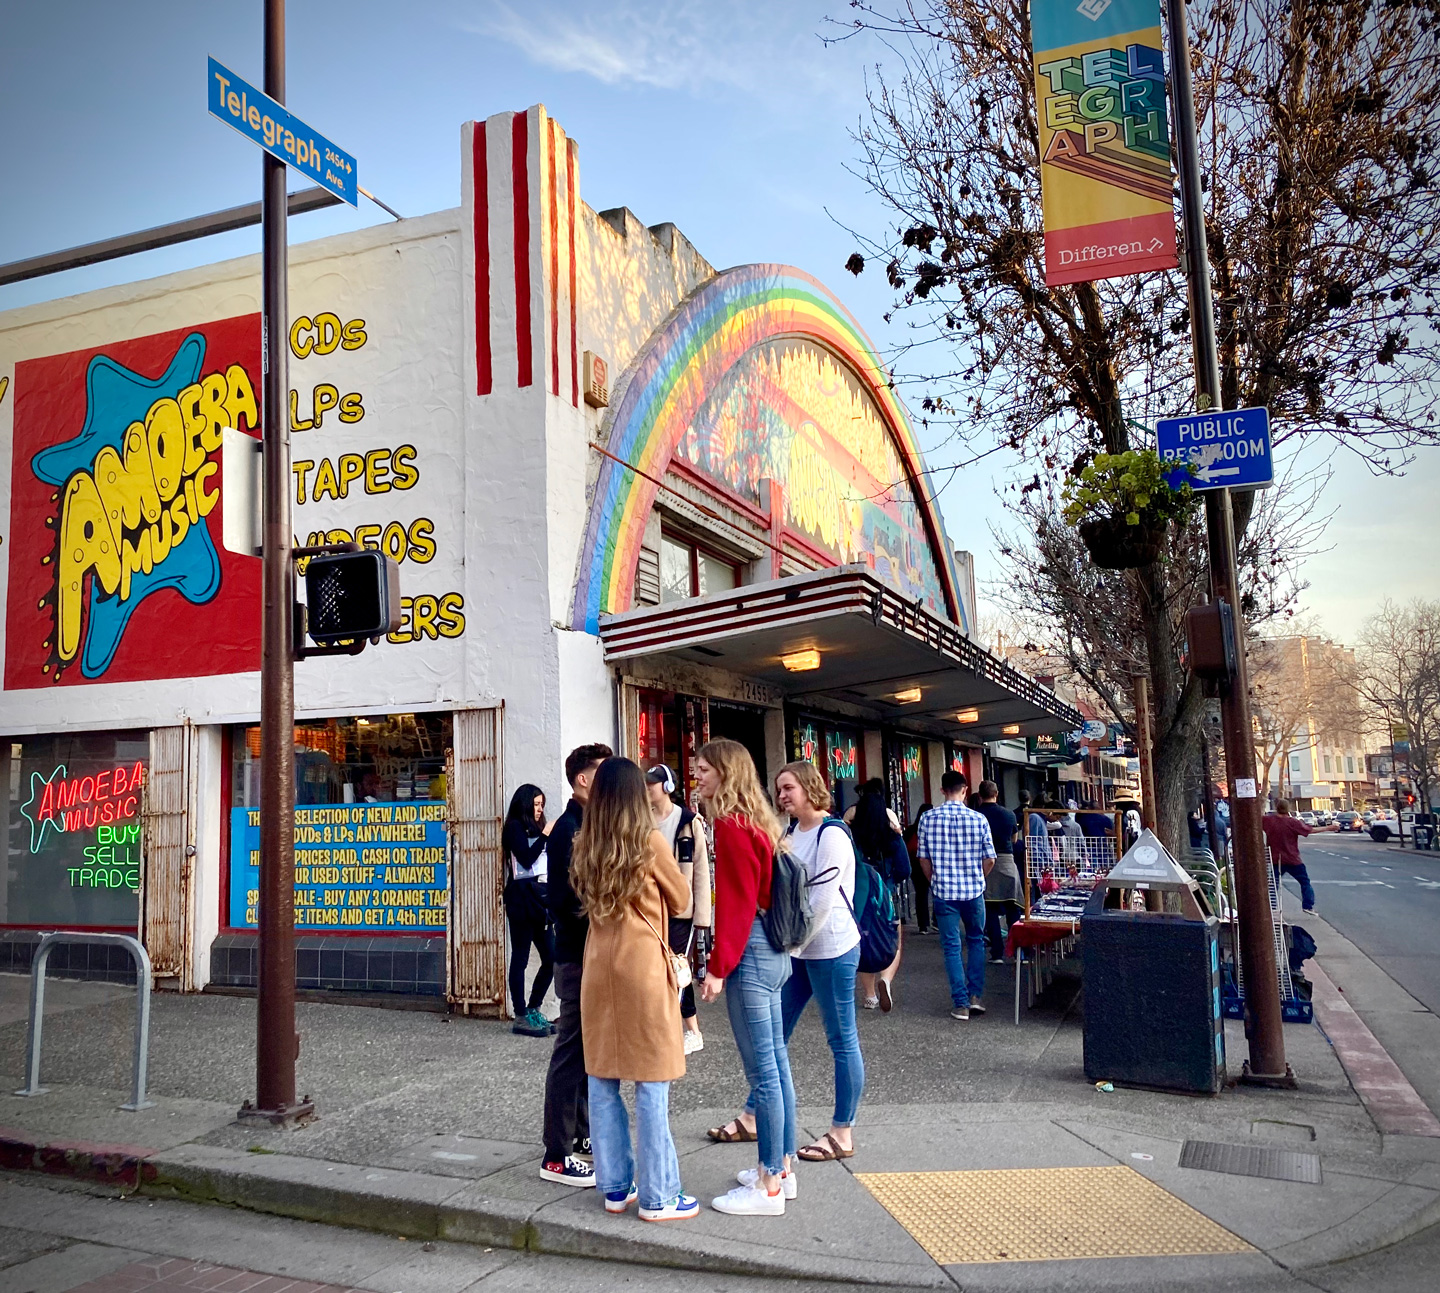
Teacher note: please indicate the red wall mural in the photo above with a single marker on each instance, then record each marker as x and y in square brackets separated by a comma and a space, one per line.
[117, 573]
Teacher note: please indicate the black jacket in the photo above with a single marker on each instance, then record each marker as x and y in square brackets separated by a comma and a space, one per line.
[571, 924]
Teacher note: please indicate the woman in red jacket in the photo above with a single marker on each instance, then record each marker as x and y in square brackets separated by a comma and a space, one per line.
[746, 832]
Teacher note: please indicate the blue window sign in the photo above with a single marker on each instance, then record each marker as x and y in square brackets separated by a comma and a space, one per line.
[285, 137]
[359, 868]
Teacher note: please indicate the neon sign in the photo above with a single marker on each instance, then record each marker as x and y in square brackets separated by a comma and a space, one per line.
[62, 803]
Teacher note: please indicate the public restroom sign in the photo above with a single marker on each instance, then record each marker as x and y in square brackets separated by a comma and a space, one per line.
[1104, 138]
[1224, 450]
[285, 137]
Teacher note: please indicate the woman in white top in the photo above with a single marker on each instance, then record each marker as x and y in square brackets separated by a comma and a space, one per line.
[823, 967]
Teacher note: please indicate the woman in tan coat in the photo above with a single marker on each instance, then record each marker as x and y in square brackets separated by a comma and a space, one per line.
[628, 882]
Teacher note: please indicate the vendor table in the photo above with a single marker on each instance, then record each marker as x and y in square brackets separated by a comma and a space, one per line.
[1050, 942]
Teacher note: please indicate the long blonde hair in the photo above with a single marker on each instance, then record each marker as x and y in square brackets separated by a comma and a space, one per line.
[739, 793]
[610, 861]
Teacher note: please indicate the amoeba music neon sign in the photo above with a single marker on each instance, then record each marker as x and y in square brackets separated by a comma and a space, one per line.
[107, 803]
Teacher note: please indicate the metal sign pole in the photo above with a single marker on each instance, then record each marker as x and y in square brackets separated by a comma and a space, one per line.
[1263, 1023]
[276, 1042]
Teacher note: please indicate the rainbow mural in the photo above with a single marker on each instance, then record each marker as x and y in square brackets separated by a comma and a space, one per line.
[667, 391]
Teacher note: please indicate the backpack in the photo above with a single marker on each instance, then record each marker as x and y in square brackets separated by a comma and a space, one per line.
[873, 910]
[685, 844]
[789, 919]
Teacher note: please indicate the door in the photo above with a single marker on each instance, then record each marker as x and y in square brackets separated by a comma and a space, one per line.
[167, 871]
[475, 966]
[743, 723]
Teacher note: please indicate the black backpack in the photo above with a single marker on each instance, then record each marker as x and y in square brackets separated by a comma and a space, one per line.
[789, 920]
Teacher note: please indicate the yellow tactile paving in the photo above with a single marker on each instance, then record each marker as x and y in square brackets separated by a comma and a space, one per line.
[1045, 1214]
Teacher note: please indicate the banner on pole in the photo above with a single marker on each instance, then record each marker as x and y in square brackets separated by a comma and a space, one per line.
[1104, 138]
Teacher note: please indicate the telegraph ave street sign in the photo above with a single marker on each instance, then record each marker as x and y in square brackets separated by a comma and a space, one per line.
[1228, 448]
[286, 138]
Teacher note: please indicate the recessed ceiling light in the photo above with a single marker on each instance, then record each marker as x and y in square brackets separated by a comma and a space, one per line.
[1012, 729]
[907, 697]
[969, 715]
[800, 661]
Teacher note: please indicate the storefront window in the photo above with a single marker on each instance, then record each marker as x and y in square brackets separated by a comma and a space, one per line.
[73, 829]
[912, 770]
[370, 842]
[835, 751]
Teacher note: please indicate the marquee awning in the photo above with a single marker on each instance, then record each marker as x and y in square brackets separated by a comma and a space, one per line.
[874, 647]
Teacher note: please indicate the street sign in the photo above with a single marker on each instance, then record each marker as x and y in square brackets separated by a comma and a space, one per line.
[285, 137]
[1230, 448]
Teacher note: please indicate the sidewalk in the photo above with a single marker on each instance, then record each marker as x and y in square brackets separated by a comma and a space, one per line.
[429, 1125]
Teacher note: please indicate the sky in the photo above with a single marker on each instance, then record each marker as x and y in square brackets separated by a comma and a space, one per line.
[730, 120]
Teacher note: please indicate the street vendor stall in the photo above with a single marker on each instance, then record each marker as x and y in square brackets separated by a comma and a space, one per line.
[1064, 866]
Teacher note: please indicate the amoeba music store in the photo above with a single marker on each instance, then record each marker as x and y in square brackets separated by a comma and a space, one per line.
[633, 499]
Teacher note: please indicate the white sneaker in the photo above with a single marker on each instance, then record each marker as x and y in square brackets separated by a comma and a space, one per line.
[693, 1042]
[750, 1176]
[870, 1003]
[681, 1208]
[750, 1201]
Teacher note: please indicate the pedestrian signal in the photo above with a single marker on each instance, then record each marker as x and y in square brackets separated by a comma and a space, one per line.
[351, 596]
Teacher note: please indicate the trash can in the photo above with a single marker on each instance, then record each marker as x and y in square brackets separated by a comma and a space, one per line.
[1150, 958]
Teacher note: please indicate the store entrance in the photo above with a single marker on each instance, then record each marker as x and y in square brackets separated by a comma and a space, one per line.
[743, 723]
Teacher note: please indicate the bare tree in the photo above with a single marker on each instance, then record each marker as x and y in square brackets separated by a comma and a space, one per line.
[1317, 121]
[1399, 674]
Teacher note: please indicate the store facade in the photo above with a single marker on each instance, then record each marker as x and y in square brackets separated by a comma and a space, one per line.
[567, 428]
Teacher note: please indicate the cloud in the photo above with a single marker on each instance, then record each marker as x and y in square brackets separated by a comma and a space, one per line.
[684, 45]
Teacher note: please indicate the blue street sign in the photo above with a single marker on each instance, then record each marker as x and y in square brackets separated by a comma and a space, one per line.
[1230, 448]
[288, 139]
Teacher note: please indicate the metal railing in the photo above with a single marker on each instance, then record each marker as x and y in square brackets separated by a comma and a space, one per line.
[142, 1011]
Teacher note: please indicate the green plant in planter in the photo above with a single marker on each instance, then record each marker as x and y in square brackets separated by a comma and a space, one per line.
[1123, 506]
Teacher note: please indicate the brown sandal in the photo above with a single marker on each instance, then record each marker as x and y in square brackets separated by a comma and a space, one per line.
[818, 1153]
[728, 1137]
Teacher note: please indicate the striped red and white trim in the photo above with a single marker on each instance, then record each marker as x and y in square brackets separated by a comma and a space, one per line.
[523, 203]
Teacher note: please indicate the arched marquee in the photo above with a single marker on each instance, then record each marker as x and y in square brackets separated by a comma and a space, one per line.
[762, 373]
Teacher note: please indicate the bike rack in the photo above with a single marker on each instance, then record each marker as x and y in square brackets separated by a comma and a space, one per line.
[142, 1011]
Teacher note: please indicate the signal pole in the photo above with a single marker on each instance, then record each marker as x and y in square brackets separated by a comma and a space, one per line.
[1264, 1028]
[277, 1044]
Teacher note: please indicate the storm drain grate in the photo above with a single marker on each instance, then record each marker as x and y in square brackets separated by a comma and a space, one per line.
[1267, 1161]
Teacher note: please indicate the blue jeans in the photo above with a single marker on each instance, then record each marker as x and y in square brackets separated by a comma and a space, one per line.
[658, 1175]
[1297, 872]
[752, 999]
[967, 976]
[832, 983]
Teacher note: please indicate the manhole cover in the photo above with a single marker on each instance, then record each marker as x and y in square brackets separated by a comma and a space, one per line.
[1251, 1160]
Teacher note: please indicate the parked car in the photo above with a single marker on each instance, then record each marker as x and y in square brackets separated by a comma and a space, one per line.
[1368, 816]
[1309, 818]
[1324, 817]
[1348, 821]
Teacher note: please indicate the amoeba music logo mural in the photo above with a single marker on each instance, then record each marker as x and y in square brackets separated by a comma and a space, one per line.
[115, 574]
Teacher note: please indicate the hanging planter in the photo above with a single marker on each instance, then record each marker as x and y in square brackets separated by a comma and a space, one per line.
[1122, 507]
[1115, 545]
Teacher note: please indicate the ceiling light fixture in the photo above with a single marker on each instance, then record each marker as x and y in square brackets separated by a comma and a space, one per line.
[1012, 729]
[969, 715]
[907, 697]
[801, 661]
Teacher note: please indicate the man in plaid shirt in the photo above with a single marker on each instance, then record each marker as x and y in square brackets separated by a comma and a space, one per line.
[956, 850]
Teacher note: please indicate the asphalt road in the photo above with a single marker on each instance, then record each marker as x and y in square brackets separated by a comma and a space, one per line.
[1384, 900]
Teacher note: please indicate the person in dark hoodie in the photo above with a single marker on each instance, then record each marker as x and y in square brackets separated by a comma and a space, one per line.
[567, 1103]
[526, 908]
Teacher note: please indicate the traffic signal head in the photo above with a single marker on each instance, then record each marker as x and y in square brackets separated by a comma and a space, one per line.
[351, 596]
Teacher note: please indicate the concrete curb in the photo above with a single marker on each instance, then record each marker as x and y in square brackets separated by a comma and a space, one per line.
[424, 1206]
[77, 1159]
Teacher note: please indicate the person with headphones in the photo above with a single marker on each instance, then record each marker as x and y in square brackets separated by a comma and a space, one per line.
[689, 929]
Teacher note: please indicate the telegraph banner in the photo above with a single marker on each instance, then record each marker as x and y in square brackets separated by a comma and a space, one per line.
[1104, 138]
